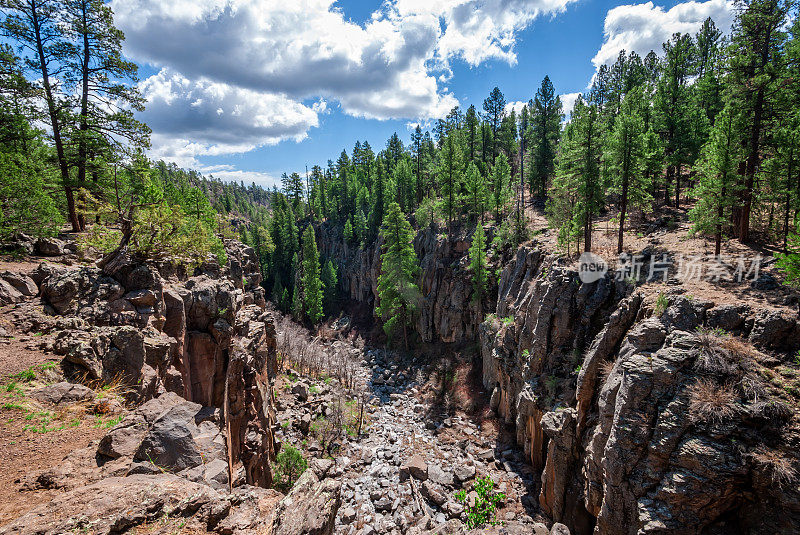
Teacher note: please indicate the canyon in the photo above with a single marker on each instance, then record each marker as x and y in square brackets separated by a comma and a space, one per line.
[609, 407]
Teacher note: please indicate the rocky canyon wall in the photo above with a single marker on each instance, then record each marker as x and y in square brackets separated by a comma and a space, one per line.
[446, 310]
[644, 421]
[154, 330]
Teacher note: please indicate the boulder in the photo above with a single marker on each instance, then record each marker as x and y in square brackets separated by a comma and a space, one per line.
[774, 330]
[434, 493]
[439, 476]
[8, 294]
[21, 282]
[310, 507]
[49, 247]
[559, 529]
[415, 467]
[173, 435]
[464, 472]
[124, 439]
[301, 391]
[305, 423]
[114, 505]
[185, 436]
[62, 393]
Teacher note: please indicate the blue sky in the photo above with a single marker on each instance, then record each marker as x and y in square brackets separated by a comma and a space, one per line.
[248, 89]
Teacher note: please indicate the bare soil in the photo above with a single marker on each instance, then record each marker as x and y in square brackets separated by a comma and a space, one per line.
[32, 437]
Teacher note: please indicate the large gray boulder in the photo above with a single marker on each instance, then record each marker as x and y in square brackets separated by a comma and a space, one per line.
[62, 393]
[310, 508]
[171, 434]
[50, 247]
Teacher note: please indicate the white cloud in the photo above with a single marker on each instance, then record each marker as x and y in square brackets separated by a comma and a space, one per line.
[644, 27]
[228, 173]
[299, 48]
[479, 30]
[234, 74]
[201, 117]
[515, 106]
[568, 102]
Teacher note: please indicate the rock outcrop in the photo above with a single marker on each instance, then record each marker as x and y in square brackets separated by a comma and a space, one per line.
[446, 309]
[643, 422]
[197, 354]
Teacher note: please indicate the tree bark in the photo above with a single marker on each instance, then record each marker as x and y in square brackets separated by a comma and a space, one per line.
[52, 111]
[622, 210]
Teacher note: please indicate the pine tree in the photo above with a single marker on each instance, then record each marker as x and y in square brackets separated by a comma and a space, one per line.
[107, 90]
[418, 152]
[360, 227]
[404, 181]
[475, 192]
[507, 136]
[672, 104]
[578, 181]
[312, 285]
[756, 46]
[472, 127]
[717, 183]
[494, 107]
[545, 128]
[626, 156]
[330, 283]
[501, 186]
[397, 289]
[349, 236]
[477, 264]
[449, 171]
[37, 28]
[293, 189]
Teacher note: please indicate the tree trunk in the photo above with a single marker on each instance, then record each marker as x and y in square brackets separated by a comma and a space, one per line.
[788, 198]
[587, 233]
[84, 124]
[667, 180]
[53, 114]
[752, 158]
[623, 208]
[718, 235]
[678, 186]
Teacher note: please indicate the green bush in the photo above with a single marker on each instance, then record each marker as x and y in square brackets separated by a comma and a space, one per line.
[25, 201]
[289, 465]
[484, 510]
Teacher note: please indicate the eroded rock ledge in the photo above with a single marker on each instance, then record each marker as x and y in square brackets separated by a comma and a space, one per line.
[644, 421]
[197, 355]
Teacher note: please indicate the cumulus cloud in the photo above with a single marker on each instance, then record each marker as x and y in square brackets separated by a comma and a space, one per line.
[224, 118]
[236, 74]
[228, 173]
[516, 106]
[644, 27]
[479, 30]
[568, 102]
[300, 48]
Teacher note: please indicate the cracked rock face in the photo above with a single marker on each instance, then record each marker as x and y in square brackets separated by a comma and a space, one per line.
[198, 354]
[446, 311]
[606, 400]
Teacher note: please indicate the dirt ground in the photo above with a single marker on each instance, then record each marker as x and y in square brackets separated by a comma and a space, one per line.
[687, 251]
[32, 437]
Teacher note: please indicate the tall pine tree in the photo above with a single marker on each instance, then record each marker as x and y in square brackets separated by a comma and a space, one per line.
[397, 289]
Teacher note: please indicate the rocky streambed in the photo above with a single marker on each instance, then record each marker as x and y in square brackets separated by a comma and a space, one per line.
[402, 474]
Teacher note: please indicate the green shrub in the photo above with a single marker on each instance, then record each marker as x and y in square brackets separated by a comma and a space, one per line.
[661, 304]
[484, 510]
[288, 467]
[25, 202]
